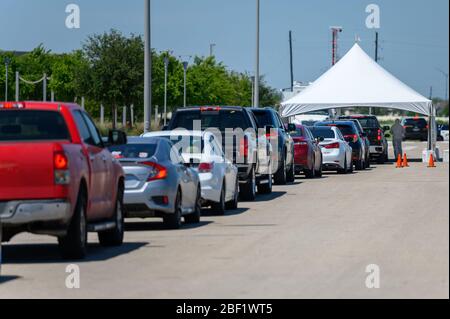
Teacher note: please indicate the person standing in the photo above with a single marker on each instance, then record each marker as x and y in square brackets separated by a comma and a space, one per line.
[398, 134]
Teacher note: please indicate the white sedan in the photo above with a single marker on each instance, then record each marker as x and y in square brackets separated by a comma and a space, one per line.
[337, 153]
[218, 175]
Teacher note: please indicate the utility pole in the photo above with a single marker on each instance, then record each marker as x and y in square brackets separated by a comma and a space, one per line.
[252, 78]
[256, 97]
[7, 61]
[431, 92]
[291, 61]
[211, 49]
[185, 67]
[147, 69]
[445, 74]
[17, 86]
[334, 53]
[376, 46]
[166, 67]
[44, 88]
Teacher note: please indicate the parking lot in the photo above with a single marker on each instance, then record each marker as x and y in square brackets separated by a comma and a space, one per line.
[312, 239]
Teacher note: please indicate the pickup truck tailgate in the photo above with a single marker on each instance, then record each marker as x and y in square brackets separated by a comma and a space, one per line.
[26, 171]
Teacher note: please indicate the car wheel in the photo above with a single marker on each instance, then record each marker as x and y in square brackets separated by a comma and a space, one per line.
[194, 218]
[173, 221]
[219, 208]
[310, 173]
[383, 159]
[345, 169]
[233, 204]
[247, 191]
[74, 244]
[359, 165]
[367, 161]
[291, 173]
[114, 237]
[280, 177]
[319, 172]
[266, 188]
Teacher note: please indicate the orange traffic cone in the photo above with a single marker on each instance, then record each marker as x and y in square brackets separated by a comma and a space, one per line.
[405, 161]
[399, 161]
[431, 163]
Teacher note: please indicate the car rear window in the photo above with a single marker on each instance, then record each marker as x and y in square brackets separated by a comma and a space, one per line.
[416, 122]
[325, 132]
[264, 118]
[133, 150]
[32, 125]
[221, 120]
[368, 122]
[346, 129]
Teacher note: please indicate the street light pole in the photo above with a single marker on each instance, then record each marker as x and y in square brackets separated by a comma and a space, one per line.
[166, 66]
[256, 93]
[7, 61]
[211, 49]
[446, 83]
[147, 70]
[185, 67]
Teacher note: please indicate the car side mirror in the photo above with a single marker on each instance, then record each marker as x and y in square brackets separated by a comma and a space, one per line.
[386, 128]
[291, 127]
[165, 128]
[387, 135]
[117, 137]
[320, 139]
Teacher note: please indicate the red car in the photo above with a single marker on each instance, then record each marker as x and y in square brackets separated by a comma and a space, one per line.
[307, 153]
[56, 176]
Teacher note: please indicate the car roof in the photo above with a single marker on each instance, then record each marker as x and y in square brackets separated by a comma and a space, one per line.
[180, 132]
[262, 109]
[338, 122]
[143, 140]
[44, 106]
[195, 108]
[356, 116]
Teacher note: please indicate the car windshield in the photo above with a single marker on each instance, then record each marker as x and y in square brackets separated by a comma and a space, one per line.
[324, 132]
[264, 118]
[221, 120]
[133, 150]
[32, 125]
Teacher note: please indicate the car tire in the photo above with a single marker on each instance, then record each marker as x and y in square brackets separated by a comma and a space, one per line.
[345, 169]
[266, 188]
[233, 204]
[247, 191]
[319, 173]
[173, 221]
[219, 208]
[383, 159]
[310, 173]
[114, 237]
[194, 218]
[280, 177]
[359, 165]
[290, 178]
[367, 161]
[74, 244]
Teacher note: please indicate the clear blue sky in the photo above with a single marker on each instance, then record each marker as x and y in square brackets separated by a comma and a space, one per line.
[414, 34]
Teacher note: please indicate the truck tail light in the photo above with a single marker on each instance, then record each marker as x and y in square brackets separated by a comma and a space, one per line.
[243, 147]
[157, 172]
[11, 105]
[61, 168]
[205, 167]
[379, 135]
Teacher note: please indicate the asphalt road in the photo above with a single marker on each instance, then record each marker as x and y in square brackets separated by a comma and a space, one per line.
[312, 239]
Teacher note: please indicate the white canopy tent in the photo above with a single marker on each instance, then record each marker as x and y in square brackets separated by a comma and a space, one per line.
[358, 81]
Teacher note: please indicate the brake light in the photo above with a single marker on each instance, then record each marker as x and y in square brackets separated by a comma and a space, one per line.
[157, 172]
[205, 167]
[243, 147]
[11, 105]
[379, 135]
[332, 146]
[61, 168]
[210, 109]
[352, 137]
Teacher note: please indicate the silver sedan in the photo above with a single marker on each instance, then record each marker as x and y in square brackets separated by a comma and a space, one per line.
[158, 182]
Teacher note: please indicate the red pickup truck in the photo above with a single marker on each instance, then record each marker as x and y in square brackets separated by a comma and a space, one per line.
[57, 178]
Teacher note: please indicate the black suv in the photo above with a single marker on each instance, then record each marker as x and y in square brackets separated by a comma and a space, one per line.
[352, 137]
[376, 135]
[415, 128]
[270, 120]
[244, 151]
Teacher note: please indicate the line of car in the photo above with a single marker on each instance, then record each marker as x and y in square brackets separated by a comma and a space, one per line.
[65, 180]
